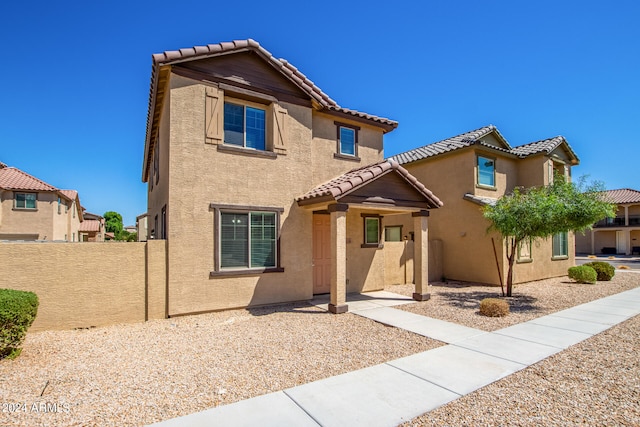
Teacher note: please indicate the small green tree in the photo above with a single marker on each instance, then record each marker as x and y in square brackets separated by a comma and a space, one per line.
[541, 212]
[113, 223]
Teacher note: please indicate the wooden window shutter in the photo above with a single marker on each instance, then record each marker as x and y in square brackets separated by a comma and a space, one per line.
[279, 129]
[214, 119]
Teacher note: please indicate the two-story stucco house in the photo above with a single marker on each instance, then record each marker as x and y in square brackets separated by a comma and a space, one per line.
[31, 209]
[476, 168]
[619, 235]
[265, 189]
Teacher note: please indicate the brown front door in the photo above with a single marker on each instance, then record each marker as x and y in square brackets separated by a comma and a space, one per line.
[321, 254]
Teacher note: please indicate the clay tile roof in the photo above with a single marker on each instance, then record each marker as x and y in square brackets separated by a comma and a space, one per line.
[623, 196]
[544, 146]
[2, 165]
[69, 194]
[356, 178]
[450, 144]
[197, 52]
[15, 179]
[89, 225]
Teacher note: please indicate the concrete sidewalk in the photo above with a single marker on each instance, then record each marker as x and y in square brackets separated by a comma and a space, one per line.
[400, 390]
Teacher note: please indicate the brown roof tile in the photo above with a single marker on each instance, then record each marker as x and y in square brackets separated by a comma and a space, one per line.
[451, 144]
[544, 146]
[623, 196]
[14, 179]
[356, 178]
[474, 137]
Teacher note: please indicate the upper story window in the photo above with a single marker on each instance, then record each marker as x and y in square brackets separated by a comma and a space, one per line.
[347, 147]
[486, 171]
[347, 141]
[244, 126]
[25, 201]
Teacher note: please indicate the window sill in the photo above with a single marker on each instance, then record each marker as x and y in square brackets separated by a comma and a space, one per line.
[372, 245]
[487, 187]
[247, 151]
[559, 258]
[26, 209]
[346, 157]
[252, 272]
[524, 261]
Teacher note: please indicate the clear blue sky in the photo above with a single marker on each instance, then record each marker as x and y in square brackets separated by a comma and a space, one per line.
[76, 75]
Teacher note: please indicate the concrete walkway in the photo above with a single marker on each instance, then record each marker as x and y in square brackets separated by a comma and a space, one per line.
[397, 391]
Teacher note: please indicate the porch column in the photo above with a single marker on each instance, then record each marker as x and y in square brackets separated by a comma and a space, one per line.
[421, 255]
[593, 242]
[626, 216]
[338, 302]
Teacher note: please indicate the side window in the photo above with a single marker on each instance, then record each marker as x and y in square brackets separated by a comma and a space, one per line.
[372, 231]
[347, 141]
[393, 233]
[25, 201]
[486, 171]
[560, 245]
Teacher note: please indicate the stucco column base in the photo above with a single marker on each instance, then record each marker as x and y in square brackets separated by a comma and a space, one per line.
[338, 309]
[421, 297]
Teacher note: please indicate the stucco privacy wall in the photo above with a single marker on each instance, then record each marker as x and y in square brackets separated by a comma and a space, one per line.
[89, 284]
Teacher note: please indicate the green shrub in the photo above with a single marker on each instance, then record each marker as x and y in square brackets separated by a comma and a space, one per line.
[583, 274]
[494, 307]
[18, 310]
[605, 270]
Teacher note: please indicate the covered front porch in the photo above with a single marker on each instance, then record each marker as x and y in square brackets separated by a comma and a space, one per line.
[355, 206]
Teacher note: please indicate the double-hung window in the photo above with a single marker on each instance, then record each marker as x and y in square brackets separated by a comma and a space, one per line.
[248, 240]
[486, 171]
[560, 245]
[25, 201]
[244, 126]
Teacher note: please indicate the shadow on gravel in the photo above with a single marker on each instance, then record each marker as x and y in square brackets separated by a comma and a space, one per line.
[471, 300]
[299, 307]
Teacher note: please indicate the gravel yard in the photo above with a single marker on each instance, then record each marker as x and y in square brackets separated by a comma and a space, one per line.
[136, 374]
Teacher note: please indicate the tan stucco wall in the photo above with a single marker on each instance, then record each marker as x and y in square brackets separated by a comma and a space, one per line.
[467, 250]
[25, 221]
[92, 284]
[201, 174]
[583, 242]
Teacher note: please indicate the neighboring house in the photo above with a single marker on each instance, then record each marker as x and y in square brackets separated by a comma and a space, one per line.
[130, 229]
[619, 235]
[267, 190]
[141, 227]
[474, 169]
[31, 209]
[92, 228]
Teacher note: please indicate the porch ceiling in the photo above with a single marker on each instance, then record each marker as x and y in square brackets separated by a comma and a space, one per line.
[384, 185]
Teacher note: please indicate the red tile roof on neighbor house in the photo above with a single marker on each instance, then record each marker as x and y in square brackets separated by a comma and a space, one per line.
[69, 194]
[89, 225]
[623, 196]
[357, 178]
[14, 179]
[474, 137]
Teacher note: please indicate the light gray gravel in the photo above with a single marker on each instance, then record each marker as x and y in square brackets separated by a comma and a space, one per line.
[136, 374]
